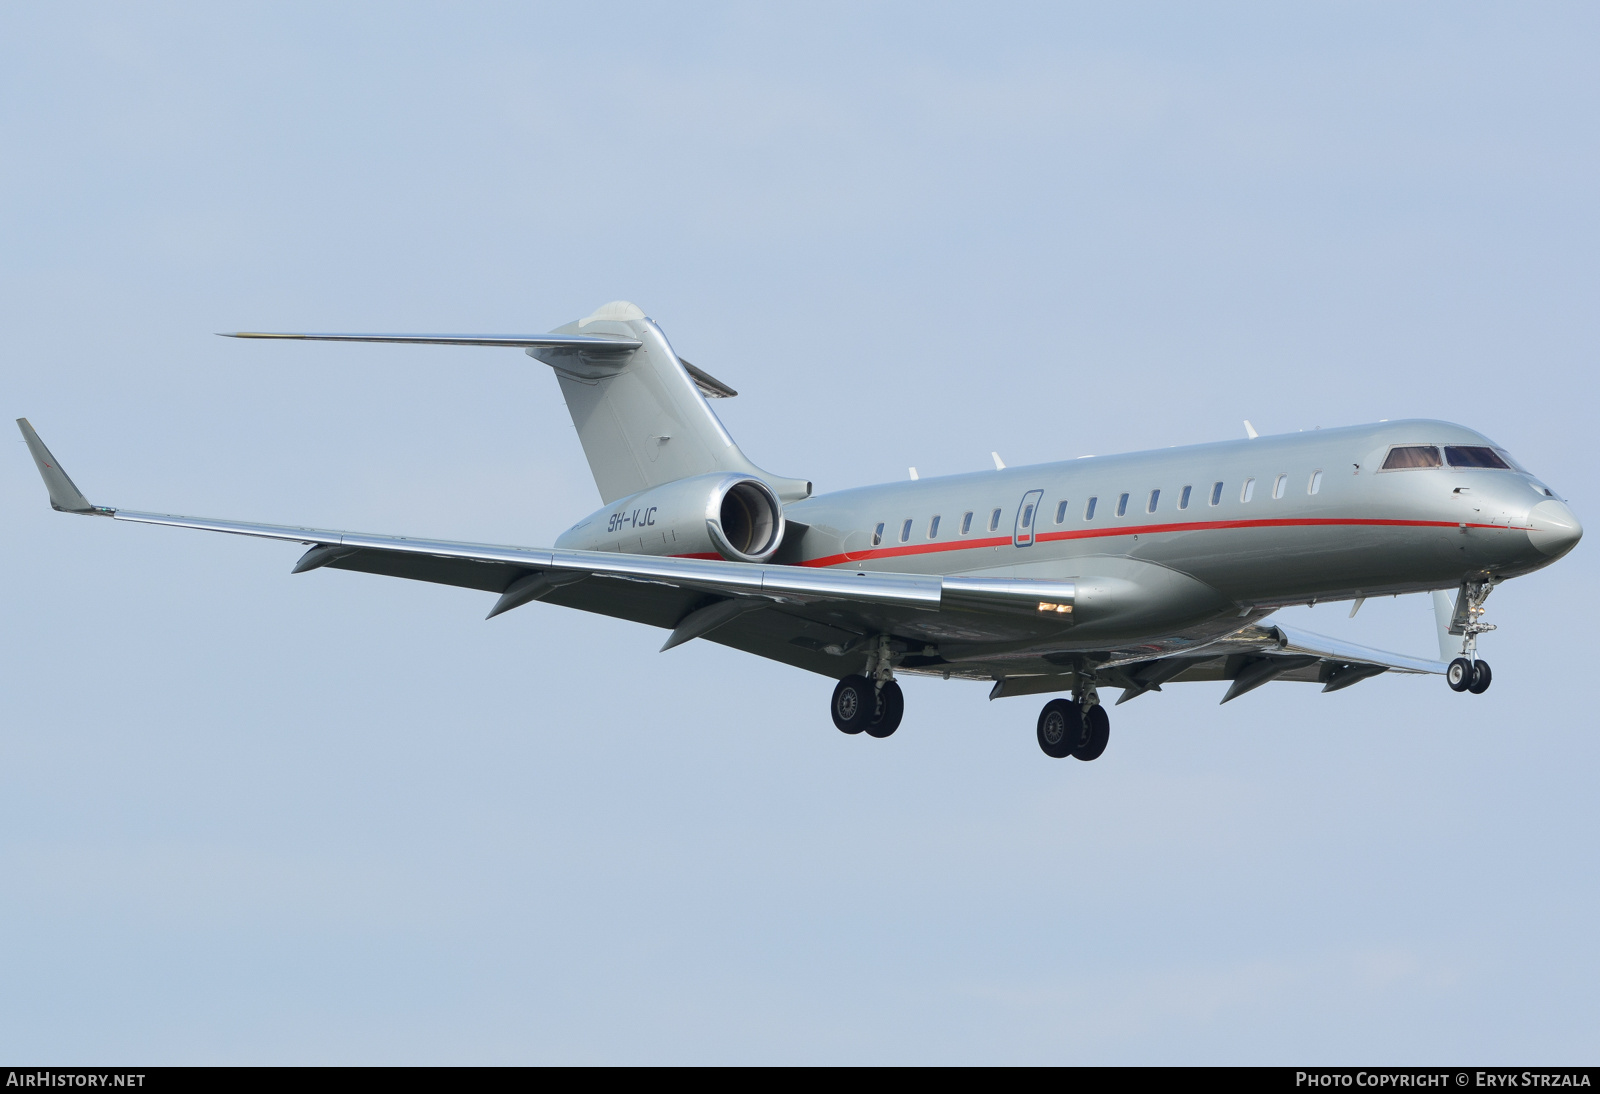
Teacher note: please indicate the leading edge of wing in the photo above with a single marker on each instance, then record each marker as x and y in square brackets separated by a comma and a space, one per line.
[726, 578]
[1296, 641]
[779, 583]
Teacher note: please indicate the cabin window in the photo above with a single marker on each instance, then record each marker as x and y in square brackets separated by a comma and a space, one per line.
[905, 531]
[1061, 512]
[1216, 493]
[1404, 456]
[877, 535]
[1279, 486]
[1088, 509]
[994, 520]
[1183, 498]
[1249, 490]
[1155, 496]
[933, 528]
[966, 523]
[1316, 483]
[1472, 455]
[1027, 516]
[1122, 506]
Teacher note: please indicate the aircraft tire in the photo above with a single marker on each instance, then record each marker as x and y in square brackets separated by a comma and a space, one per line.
[1459, 675]
[1481, 676]
[1060, 728]
[1097, 726]
[891, 707]
[853, 704]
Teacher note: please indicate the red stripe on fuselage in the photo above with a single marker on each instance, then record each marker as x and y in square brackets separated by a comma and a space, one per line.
[1139, 530]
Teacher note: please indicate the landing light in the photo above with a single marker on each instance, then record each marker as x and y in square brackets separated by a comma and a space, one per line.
[1046, 606]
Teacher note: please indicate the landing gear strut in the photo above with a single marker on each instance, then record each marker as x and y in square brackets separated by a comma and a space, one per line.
[1468, 672]
[1078, 727]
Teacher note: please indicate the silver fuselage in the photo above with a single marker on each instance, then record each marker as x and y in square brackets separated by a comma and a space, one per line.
[1320, 521]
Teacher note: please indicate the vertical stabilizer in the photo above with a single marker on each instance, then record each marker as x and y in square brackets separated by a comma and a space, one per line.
[641, 416]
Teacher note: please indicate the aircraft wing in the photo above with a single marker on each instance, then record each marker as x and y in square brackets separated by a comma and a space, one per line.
[1251, 656]
[1260, 653]
[806, 617]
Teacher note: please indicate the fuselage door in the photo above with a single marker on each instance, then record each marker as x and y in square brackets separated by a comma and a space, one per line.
[1027, 517]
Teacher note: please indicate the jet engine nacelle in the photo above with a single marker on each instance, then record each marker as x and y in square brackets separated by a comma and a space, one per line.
[726, 515]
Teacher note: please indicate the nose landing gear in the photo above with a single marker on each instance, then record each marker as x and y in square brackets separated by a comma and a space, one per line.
[1468, 672]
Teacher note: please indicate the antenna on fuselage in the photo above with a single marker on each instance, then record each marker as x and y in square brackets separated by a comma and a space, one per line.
[999, 464]
[1250, 430]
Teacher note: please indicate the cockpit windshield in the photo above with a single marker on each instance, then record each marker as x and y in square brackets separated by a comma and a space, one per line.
[1406, 456]
[1472, 455]
[1412, 455]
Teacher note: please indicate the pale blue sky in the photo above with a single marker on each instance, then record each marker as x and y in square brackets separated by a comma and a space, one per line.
[246, 817]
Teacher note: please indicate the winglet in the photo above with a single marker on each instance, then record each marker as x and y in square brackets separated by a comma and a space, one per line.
[65, 497]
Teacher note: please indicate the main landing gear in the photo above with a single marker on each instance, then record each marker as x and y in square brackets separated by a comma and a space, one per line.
[1468, 672]
[1076, 727]
[873, 702]
[862, 704]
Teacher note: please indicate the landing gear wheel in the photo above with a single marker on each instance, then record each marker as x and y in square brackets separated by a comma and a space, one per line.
[1060, 728]
[1097, 732]
[891, 705]
[1459, 675]
[1480, 677]
[854, 704]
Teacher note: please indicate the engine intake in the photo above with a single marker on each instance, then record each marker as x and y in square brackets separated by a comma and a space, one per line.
[736, 517]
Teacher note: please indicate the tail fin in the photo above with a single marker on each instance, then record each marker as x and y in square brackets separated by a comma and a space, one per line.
[642, 416]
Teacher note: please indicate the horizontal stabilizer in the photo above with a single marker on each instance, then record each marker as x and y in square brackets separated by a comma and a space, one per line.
[587, 344]
[709, 385]
[65, 497]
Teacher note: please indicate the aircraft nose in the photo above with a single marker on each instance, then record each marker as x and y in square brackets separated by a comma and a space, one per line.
[1555, 530]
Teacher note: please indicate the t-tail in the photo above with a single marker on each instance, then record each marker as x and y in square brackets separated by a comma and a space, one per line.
[640, 410]
[642, 415]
